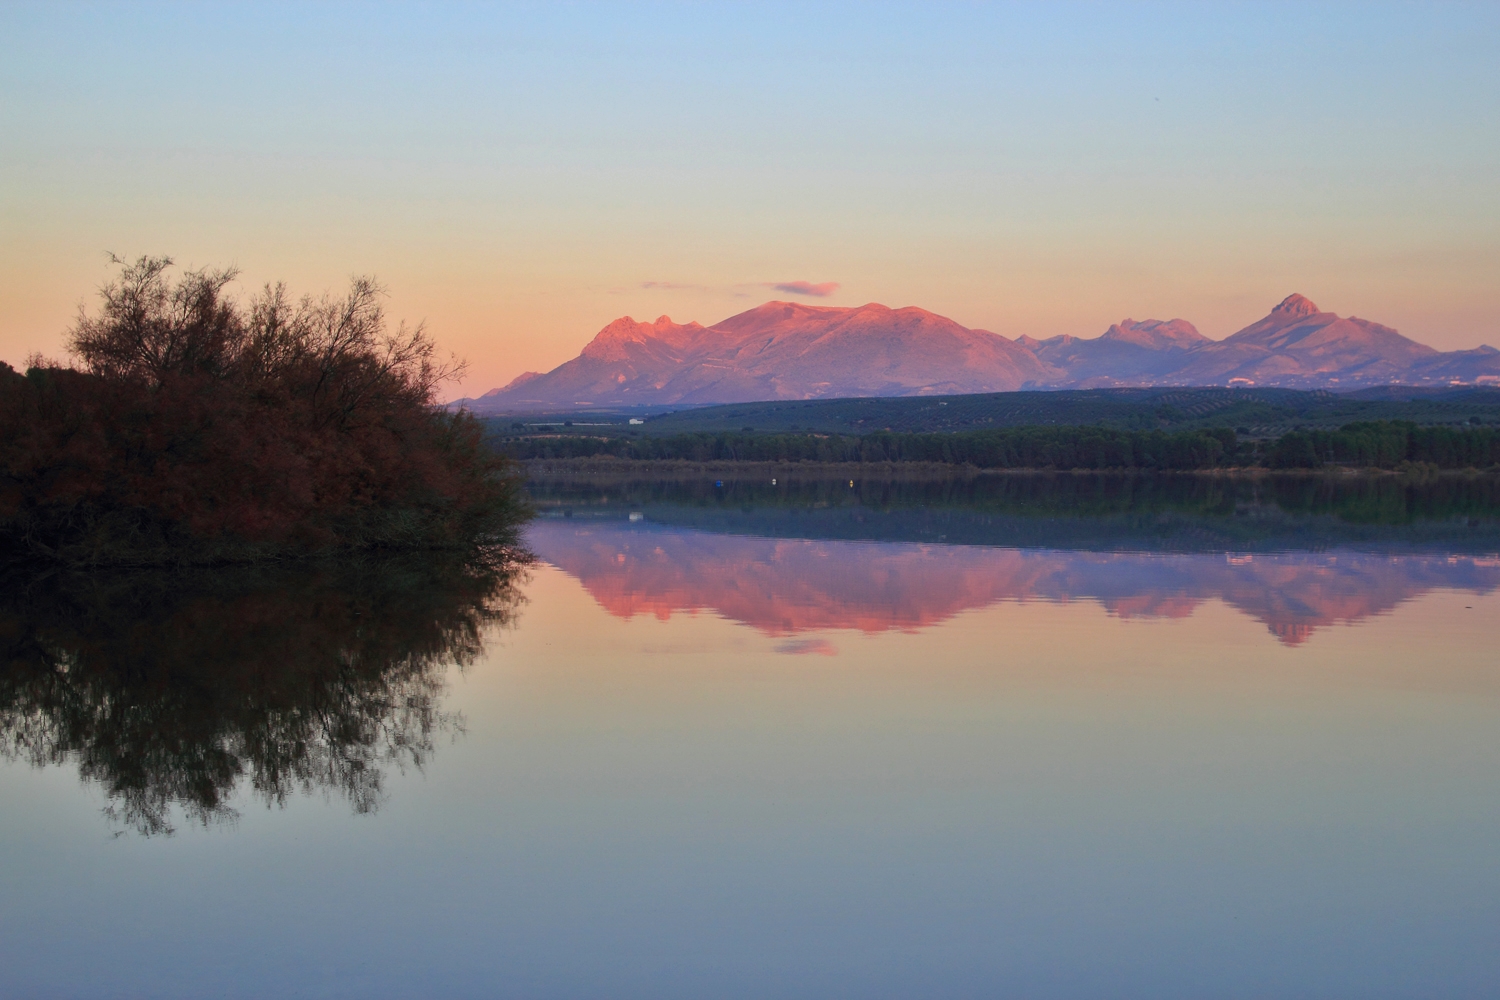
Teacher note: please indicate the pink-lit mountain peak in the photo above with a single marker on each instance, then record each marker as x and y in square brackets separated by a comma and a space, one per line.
[618, 338]
[1293, 313]
[769, 314]
[783, 350]
[1296, 306]
[800, 351]
[627, 329]
[1156, 334]
[780, 320]
[1298, 328]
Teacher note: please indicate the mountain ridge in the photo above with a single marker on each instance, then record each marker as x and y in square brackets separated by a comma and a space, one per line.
[789, 350]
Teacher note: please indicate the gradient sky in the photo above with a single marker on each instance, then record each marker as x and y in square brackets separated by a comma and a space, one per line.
[521, 175]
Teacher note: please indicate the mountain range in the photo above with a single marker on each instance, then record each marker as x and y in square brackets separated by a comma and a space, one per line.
[787, 350]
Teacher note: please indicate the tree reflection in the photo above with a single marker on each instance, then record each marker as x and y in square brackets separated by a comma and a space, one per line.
[172, 690]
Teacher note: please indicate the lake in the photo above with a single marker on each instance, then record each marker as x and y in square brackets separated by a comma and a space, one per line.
[1041, 736]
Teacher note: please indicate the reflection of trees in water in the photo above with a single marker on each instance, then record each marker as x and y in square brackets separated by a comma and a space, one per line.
[1363, 499]
[172, 689]
[1064, 510]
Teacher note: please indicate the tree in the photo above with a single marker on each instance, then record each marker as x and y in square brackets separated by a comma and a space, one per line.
[194, 428]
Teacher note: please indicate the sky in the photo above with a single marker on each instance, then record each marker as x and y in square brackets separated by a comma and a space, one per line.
[520, 175]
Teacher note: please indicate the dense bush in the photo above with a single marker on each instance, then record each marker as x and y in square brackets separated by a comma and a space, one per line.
[196, 429]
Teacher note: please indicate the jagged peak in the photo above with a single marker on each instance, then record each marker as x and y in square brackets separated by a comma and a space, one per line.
[630, 327]
[1296, 305]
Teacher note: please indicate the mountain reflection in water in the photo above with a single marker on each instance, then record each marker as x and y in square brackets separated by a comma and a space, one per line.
[170, 690]
[1295, 555]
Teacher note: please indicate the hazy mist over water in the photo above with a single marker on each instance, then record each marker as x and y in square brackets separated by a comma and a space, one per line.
[744, 742]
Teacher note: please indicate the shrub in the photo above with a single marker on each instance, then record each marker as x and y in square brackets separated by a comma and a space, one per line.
[194, 429]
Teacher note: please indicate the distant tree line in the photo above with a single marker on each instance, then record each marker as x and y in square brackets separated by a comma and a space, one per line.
[195, 429]
[1005, 448]
[1355, 499]
[1379, 444]
[1385, 445]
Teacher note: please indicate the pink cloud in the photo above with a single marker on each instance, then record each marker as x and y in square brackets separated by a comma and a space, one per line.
[819, 291]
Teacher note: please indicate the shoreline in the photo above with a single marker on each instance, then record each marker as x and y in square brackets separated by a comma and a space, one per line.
[602, 467]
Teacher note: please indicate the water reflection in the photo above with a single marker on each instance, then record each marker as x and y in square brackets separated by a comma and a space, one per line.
[1094, 511]
[786, 586]
[1296, 554]
[171, 690]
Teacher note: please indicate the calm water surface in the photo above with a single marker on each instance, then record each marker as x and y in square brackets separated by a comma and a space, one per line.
[1013, 737]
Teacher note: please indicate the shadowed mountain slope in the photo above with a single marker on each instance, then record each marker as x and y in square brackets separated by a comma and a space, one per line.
[1128, 353]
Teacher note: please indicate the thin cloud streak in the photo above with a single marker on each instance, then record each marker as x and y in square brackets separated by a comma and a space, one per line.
[805, 647]
[817, 291]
